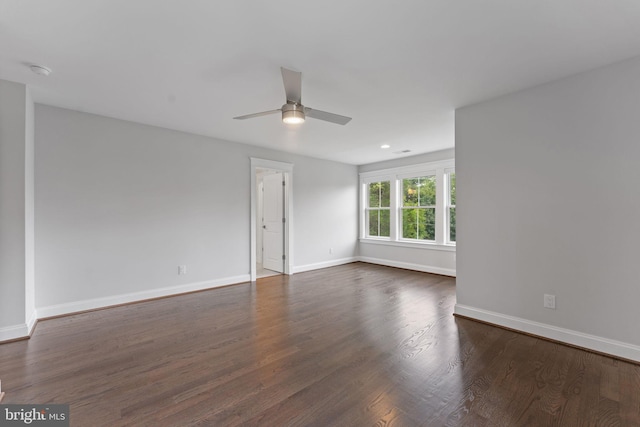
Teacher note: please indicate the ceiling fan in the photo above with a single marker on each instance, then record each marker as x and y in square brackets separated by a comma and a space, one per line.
[293, 111]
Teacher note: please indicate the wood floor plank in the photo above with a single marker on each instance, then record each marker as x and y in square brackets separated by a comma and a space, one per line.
[352, 345]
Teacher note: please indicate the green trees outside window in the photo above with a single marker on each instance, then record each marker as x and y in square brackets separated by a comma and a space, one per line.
[378, 209]
[419, 208]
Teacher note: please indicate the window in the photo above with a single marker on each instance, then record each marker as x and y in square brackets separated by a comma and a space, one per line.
[451, 206]
[419, 208]
[410, 206]
[378, 211]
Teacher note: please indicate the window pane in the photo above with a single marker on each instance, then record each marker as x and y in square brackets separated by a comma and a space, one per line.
[452, 224]
[419, 224]
[379, 194]
[427, 194]
[427, 224]
[409, 223]
[385, 194]
[385, 223]
[379, 222]
[373, 222]
[452, 187]
[419, 191]
[410, 191]
[374, 195]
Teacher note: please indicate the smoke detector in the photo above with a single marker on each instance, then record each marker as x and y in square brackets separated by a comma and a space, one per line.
[40, 70]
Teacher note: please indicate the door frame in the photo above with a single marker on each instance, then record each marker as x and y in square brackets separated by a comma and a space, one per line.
[287, 170]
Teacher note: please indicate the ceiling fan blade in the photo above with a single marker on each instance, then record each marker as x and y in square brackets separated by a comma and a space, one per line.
[327, 117]
[264, 113]
[292, 85]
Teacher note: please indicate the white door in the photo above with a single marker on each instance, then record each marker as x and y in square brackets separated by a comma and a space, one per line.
[273, 225]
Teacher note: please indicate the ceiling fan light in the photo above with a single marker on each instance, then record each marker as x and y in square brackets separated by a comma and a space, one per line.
[293, 117]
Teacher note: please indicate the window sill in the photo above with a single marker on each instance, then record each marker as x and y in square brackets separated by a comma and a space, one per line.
[406, 244]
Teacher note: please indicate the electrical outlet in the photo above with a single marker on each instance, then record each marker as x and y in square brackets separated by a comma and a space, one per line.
[182, 269]
[550, 301]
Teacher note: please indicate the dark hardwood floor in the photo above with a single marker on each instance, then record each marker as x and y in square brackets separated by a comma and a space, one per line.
[353, 345]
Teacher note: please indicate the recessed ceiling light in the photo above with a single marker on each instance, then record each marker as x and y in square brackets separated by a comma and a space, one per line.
[384, 146]
[40, 70]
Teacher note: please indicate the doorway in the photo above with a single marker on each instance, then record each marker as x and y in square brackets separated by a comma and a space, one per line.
[269, 223]
[271, 208]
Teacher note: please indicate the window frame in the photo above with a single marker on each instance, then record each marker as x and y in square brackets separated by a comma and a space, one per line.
[449, 205]
[379, 209]
[395, 176]
[401, 207]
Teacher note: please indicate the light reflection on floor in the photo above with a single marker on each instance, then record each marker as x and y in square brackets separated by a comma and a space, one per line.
[263, 272]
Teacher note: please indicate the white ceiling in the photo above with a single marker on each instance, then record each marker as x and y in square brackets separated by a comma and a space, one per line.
[399, 68]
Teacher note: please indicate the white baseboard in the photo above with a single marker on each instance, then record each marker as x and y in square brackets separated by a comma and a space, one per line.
[77, 306]
[579, 339]
[14, 332]
[31, 323]
[409, 266]
[325, 264]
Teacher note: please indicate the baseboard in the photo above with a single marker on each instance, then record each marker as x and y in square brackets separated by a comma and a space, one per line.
[92, 304]
[13, 333]
[409, 266]
[325, 264]
[31, 323]
[19, 332]
[590, 342]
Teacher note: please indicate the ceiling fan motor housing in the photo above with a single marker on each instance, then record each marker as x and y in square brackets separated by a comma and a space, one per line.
[293, 113]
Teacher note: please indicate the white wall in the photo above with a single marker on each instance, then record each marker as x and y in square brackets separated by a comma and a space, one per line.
[16, 211]
[414, 258]
[419, 259]
[120, 205]
[434, 156]
[548, 202]
[325, 214]
[29, 215]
